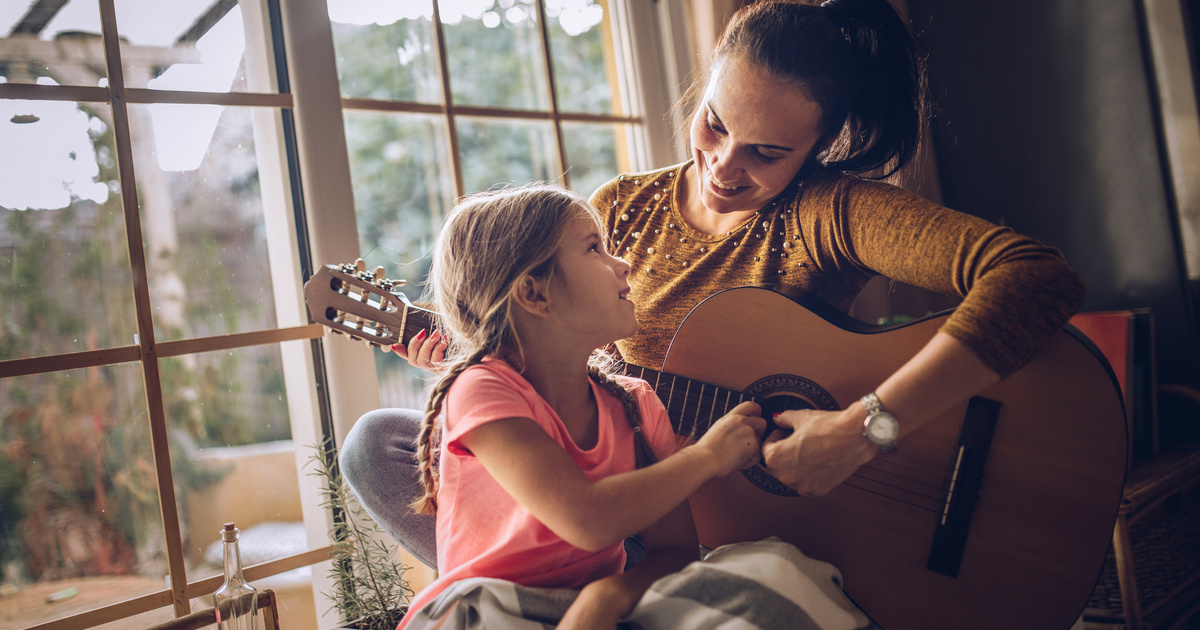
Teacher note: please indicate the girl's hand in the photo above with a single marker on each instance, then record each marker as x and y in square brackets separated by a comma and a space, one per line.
[823, 449]
[735, 439]
[424, 351]
[594, 609]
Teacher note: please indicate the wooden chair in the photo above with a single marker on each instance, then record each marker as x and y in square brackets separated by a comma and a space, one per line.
[268, 610]
[1151, 579]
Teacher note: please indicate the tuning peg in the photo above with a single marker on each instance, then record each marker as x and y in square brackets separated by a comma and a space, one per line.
[360, 264]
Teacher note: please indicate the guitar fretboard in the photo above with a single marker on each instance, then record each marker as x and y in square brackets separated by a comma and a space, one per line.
[692, 405]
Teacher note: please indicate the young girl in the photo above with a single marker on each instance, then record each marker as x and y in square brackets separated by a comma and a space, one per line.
[538, 482]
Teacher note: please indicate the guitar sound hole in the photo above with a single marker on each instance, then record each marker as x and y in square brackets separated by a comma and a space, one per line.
[783, 392]
[779, 404]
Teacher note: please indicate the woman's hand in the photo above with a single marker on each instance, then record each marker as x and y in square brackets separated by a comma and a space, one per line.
[823, 449]
[736, 439]
[424, 351]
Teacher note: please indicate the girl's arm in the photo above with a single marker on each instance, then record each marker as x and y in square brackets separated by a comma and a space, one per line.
[670, 545]
[540, 475]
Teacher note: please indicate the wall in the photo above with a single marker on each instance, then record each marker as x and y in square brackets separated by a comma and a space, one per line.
[1047, 123]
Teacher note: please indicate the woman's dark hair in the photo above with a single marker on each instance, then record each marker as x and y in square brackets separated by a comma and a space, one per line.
[857, 60]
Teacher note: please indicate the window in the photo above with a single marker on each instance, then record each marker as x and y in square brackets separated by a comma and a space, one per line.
[157, 339]
[448, 98]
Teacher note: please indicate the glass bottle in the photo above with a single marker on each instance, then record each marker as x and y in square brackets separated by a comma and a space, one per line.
[236, 601]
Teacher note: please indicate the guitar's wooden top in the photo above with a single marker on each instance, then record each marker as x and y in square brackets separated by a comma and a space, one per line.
[1046, 509]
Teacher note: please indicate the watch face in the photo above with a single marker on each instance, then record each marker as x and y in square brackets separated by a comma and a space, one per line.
[883, 428]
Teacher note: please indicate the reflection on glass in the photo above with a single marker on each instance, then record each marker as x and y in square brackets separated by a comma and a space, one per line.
[48, 44]
[495, 53]
[64, 262]
[591, 154]
[399, 166]
[202, 219]
[79, 514]
[583, 56]
[232, 455]
[500, 151]
[197, 45]
[385, 50]
[402, 187]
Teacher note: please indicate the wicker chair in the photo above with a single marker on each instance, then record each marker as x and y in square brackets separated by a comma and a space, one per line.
[1151, 578]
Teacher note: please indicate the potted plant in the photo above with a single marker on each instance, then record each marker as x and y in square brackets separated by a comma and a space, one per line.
[369, 589]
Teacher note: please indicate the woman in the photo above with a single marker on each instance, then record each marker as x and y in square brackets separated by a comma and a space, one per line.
[804, 108]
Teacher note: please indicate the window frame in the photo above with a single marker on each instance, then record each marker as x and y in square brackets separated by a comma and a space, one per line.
[329, 383]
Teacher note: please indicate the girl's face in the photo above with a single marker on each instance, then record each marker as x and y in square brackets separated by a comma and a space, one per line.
[750, 136]
[591, 287]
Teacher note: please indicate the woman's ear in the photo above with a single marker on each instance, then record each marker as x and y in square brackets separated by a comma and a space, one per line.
[532, 295]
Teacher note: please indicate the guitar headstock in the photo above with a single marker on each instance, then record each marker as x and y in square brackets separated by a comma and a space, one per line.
[364, 305]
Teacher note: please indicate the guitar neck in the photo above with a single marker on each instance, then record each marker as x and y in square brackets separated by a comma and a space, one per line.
[351, 301]
[692, 405]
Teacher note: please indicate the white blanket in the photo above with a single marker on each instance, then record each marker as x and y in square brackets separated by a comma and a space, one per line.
[767, 585]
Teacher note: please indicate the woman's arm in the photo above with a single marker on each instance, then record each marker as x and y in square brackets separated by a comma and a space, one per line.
[542, 477]
[826, 447]
[670, 545]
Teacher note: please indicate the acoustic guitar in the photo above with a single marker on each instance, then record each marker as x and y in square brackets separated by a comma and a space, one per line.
[995, 516]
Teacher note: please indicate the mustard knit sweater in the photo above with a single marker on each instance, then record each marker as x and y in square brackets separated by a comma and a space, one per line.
[827, 237]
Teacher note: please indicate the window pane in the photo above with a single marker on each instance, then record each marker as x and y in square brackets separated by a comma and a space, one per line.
[79, 513]
[495, 55]
[592, 154]
[233, 457]
[51, 46]
[399, 165]
[386, 50]
[584, 77]
[64, 262]
[497, 152]
[202, 219]
[195, 45]
[403, 186]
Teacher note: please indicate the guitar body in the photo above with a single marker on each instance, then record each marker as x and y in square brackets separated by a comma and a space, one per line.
[1048, 497]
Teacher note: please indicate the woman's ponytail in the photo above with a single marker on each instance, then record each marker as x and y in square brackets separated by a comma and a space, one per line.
[886, 117]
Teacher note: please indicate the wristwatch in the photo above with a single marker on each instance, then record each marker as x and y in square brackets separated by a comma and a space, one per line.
[880, 428]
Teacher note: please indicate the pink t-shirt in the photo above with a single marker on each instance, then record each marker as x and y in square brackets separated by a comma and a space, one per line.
[481, 530]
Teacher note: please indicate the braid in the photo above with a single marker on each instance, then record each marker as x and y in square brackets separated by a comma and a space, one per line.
[427, 502]
[643, 452]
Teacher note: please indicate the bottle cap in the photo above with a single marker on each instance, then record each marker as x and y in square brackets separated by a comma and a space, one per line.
[229, 533]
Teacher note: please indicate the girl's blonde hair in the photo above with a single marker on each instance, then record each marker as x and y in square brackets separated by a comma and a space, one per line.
[490, 241]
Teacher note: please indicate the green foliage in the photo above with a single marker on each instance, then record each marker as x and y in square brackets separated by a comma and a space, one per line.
[369, 589]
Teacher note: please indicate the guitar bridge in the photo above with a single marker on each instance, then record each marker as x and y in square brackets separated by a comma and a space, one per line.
[954, 521]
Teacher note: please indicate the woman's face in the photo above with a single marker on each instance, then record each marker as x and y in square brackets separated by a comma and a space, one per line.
[750, 136]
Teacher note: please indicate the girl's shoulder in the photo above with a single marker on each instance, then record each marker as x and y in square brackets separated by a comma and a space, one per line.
[486, 381]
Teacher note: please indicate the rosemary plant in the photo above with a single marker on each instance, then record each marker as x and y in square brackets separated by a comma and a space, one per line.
[369, 589]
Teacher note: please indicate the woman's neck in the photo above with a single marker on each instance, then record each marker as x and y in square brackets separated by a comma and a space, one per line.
[693, 210]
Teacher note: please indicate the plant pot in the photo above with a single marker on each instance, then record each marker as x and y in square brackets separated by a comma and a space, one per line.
[386, 621]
